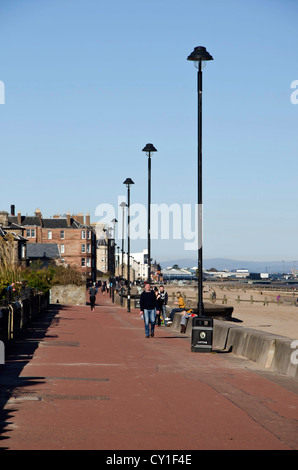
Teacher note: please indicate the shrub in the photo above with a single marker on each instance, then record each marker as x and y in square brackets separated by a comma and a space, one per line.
[37, 277]
[66, 275]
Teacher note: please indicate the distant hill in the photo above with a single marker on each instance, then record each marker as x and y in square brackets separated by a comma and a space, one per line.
[222, 263]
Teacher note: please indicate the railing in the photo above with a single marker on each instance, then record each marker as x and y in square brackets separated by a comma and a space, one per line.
[224, 299]
[8, 295]
[16, 313]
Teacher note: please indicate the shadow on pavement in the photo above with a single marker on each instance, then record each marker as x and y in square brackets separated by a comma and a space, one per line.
[18, 354]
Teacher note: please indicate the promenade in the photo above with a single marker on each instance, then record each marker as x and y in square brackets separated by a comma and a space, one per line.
[82, 380]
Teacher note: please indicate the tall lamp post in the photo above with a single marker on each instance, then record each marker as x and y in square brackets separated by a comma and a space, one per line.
[149, 148]
[199, 56]
[122, 205]
[114, 222]
[128, 182]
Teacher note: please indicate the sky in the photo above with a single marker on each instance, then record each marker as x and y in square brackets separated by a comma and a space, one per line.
[86, 84]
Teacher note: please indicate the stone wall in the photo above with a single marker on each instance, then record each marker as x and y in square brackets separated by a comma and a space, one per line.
[68, 295]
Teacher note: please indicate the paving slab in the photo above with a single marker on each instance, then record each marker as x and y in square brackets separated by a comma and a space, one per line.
[82, 380]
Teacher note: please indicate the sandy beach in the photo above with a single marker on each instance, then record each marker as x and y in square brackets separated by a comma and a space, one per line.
[262, 309]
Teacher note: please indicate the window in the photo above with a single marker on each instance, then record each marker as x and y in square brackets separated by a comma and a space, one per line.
[88, 248]
[83, 234]
[30, 232]
[88, 234]
[62, 234]
[83, 262]
[88, 262]
[50, 234]
[62, 249]
[83, 248]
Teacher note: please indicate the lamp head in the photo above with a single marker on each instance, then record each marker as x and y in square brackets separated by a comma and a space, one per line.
[128, 181]
[199, 56]
[148, 149]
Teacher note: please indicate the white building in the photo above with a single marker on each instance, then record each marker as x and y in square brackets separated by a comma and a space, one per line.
[182, 274]
[141, 264]
[138, 265]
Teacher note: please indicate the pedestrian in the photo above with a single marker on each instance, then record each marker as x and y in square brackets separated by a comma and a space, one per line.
[103, 288]
[158, 306]
[147, 309]
[92, 298]
[164, 302]
[184, 320]
[181, 307]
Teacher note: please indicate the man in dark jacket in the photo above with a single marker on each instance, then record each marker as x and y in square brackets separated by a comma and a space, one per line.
[92, 293]
[164, 302]
[148, 309]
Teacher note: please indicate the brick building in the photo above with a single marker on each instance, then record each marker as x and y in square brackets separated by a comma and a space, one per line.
[73, 234]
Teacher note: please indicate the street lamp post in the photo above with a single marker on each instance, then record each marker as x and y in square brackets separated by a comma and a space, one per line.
[128, 182]
[118, 259]
[149, 148]
[122, 205]
[114, 222]
[199, 56]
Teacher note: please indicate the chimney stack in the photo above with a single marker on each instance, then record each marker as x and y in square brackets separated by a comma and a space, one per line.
[68, 219]
[87, 219]
[19, 218]
[80, 218]
[12, 210]
[38, 214]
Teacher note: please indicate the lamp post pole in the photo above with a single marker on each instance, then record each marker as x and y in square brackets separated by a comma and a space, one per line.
[198, 56]
[149, 148]
[128, 182]
[123, 205]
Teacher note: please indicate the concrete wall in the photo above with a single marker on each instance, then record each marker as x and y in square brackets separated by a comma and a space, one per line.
[269, 351]
[68, 295]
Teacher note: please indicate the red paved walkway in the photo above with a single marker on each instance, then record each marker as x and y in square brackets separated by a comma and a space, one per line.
[83, 380]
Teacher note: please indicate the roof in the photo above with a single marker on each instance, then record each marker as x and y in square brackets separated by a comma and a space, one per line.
[61, 222]
[16, 236]
[177, 273]
[55, 223]
[35, 221]
[25, 220]
[42, 250]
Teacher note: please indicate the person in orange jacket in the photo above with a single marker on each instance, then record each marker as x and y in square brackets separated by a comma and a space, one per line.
[181, 307]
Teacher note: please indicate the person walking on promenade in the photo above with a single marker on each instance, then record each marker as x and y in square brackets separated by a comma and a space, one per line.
[164, 301]
[147, 309]
[92, 298]
[181, 307]
[158, 306]
[103, 288]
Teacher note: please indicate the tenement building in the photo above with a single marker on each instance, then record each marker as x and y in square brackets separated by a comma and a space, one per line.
[73, 234]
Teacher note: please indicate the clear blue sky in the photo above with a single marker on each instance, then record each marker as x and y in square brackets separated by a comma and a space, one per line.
[89, 82]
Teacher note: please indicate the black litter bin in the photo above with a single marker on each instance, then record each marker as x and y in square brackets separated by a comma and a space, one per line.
[201, 335]
[137, 302]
